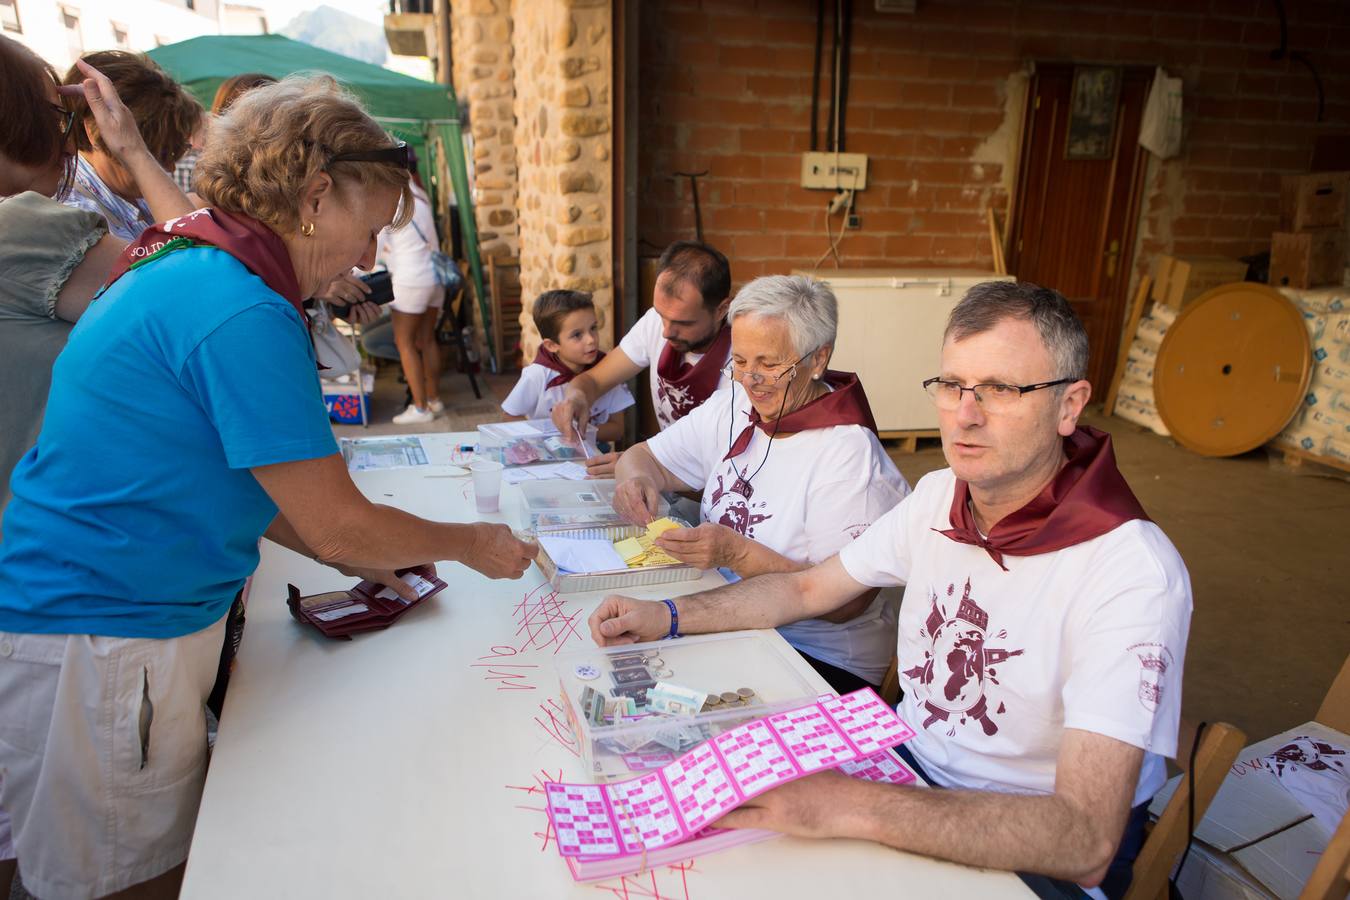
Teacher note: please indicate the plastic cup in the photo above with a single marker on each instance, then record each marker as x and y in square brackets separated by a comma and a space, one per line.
[487, 484]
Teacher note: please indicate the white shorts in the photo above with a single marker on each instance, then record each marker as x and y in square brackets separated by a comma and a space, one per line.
[417, 300]
[103, 755]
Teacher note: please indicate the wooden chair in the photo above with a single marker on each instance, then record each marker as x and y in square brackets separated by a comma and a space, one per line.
[1219, 747]
[1331, 879]
[890, 685]
[1335, 709]
[507, 302]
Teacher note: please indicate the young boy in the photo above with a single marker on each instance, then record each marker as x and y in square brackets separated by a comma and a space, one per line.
[567, 323]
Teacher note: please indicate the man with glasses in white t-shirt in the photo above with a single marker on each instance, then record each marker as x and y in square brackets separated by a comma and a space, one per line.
[1042, 633]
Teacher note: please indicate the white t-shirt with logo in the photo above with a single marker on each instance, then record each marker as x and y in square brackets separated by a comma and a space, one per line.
[643, 345]
[995, 665]
[534, 399]
[811, 493]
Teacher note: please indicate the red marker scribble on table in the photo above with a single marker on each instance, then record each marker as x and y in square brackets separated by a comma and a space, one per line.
[542, 622]
[667, 883]
[511, 675]
[557, 726]
[542, 777]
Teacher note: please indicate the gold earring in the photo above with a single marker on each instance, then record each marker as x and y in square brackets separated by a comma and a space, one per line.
[307, 229]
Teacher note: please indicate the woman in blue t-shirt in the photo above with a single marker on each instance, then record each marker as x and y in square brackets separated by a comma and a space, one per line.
[185, 422]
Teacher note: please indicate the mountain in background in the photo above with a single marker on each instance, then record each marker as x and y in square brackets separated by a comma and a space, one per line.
[339, 32]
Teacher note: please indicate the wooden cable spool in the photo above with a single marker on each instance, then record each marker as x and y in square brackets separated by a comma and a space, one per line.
[1232, 370]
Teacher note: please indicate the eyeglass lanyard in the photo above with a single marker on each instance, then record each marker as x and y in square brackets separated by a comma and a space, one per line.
[731, 426]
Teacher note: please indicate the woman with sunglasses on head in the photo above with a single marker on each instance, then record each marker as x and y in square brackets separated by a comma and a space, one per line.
[185, 422]
[790, 468]
[52, 258]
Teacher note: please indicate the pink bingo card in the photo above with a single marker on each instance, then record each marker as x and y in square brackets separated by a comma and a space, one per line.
[881, 766]
[672, 804]
[583, 820]
[867, 722]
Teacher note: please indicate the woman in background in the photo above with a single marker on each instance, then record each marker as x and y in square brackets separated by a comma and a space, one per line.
[166, 117]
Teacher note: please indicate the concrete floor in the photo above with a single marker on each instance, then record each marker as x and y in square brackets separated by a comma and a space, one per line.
[1268, 552]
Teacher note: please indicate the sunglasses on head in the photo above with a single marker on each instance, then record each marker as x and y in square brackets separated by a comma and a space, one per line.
[67, 119]
[398, 155]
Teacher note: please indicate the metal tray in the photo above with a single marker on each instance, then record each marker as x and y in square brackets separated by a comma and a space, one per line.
[570, 583]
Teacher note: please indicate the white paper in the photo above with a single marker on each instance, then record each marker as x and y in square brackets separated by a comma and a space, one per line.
[569, 471]
[341, 612]
[414, 581]
[582, 555]
[368, 454]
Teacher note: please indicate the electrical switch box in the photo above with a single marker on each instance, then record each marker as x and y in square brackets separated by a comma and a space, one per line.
[832, 171]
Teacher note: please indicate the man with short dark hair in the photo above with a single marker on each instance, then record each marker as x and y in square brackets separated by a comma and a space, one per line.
[1042, 634]
[684, 338]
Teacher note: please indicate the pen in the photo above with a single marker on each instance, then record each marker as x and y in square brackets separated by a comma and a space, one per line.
[581, 440]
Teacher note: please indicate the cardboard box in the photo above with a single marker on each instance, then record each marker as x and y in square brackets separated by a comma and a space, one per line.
[1305, 259]
[1178, 280]
[343, 400]
[1314, 201]
[1256, 824]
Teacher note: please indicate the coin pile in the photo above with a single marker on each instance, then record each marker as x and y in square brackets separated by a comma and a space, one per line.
[729, 700]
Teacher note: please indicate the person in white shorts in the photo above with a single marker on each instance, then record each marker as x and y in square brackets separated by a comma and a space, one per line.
[406, 253]
[684, 339]
[570, 331]
[1042, 634]
[790, 468]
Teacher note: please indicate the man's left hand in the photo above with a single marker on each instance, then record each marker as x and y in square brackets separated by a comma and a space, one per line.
[809, 807]
[707, 546]
[601, 465]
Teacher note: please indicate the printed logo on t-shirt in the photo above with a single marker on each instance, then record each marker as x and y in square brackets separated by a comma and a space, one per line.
[856, 531]
[958, 677]
[1308, 752]
[738, 513]
[1154, 661]
[673, 402]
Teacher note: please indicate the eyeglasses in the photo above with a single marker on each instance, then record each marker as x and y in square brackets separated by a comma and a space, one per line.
[738, 373]
[993, 397]
[398, 155]
[67, 119]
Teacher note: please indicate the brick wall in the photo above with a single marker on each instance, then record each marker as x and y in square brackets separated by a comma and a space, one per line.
[563, 142]
[936, 100]
[484, 80]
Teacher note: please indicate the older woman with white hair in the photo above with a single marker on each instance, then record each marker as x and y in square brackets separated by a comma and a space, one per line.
[790, 467]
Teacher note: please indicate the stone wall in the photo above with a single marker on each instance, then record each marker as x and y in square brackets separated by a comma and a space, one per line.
[484, 74]
[564, 144]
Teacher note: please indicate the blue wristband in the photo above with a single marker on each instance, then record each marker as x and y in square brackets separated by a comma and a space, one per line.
[674, 619]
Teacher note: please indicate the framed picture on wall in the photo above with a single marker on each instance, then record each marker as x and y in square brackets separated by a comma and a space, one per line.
[1092, 113]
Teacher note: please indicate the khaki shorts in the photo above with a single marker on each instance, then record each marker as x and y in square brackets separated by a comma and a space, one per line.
[102, 755]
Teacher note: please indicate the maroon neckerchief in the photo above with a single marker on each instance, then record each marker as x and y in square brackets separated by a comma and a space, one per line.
[552, 362]
[247, 240]
[846, 404]
[702, 378]
[1087, 499]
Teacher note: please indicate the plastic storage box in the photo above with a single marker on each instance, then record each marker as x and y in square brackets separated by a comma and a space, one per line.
[559, 502]
[721, 664]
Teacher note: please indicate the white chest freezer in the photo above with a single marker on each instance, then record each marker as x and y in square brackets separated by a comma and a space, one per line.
[890, 333]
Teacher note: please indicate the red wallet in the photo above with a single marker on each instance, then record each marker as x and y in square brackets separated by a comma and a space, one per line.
[367, 607]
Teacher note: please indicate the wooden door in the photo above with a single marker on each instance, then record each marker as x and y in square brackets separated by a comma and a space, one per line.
[1074, 219]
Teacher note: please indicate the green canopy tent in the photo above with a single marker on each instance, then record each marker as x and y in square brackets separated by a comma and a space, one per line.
[422, 113]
